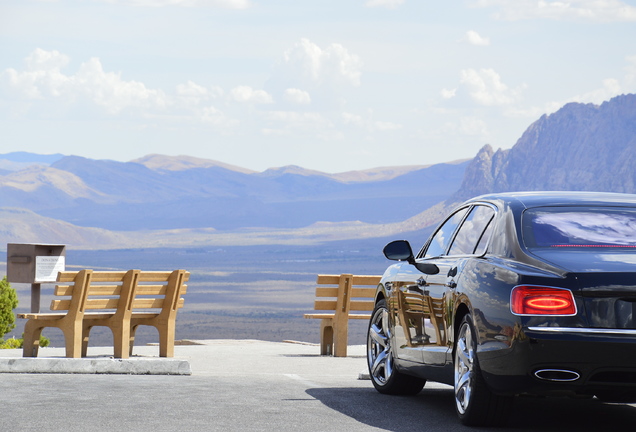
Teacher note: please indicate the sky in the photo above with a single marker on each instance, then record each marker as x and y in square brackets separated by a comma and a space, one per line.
[326, 85]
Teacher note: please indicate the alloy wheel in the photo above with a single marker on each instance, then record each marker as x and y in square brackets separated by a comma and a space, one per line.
[379, 353]
[464, 368]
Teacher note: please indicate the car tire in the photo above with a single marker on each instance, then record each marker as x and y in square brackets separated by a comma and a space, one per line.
[385, 377]
[475, 404]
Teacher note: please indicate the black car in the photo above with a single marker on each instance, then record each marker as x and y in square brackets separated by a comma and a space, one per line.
[514, 293]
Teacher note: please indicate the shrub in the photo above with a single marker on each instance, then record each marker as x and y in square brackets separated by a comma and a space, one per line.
[8, 302]
[14, 343]
[44, 342]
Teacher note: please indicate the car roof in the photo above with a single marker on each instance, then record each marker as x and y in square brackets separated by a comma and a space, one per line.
[558, 198]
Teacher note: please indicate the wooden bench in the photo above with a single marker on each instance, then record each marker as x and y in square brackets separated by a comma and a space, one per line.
[124, 299]
[347, 297]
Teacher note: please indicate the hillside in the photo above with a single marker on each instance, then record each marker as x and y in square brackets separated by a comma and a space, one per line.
[580, 147]
[164, 193]
[162, 201]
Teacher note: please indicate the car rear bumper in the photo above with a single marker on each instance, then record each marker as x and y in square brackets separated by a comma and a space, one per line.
[563, 360]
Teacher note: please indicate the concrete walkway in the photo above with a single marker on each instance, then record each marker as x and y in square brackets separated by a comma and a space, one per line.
[248, 385]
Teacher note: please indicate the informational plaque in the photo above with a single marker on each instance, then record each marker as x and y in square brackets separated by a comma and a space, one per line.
[47, 267]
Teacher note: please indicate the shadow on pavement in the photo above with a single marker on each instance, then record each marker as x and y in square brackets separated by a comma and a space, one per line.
[433, 410]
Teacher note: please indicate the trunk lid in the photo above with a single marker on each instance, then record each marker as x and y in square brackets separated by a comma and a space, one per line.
[606, 284]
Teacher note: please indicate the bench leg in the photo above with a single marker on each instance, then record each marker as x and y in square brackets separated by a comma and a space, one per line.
[85, 335]
[131, 339]
[340, 330]
[121, 342]
[166, 339]
[73, 338]
[32, 332]
[326, 337]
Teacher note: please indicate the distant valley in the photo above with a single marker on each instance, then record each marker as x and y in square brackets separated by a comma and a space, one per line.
[162, 201]
[255, 241]
[176, 201]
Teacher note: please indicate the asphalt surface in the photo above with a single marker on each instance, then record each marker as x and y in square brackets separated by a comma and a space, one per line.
[247, 385]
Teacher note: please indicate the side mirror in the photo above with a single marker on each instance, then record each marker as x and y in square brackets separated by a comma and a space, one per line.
[400, 250]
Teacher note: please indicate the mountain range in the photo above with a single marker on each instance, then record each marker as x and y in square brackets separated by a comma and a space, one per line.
[162, 200]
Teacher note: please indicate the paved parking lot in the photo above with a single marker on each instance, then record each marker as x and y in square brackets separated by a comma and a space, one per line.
[261, 386]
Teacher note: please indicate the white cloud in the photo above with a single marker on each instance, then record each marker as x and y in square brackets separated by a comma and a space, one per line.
[297, 119]
[368, 124]
[630, 76]
[306, 66]
[213, 116]
[108, 90]
[386, 126]
[297, 96]
[225, 4]
[583, 10]
[474, 38]
[448, 94]
[389, 4]
[353, 119]
[328, 74]
[486, 88]
[248, 94]
[609, 88]
[473, 126]
[297, 123]
[43, 78]
[191, 93]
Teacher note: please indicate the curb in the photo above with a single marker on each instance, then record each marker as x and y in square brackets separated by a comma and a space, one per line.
[131, 366]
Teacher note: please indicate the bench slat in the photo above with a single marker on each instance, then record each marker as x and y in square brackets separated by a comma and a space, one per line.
[366, 280]
[361, 305]
[326, 291]
[159, 276]
[115, 290]
[152, 303]
[111, 303]
[93, 290]
[327, 316]
[363, 292]
[355, 292]
[143, 303]
[97, 276]
[325, 305]
[355, 305]
[356, 280]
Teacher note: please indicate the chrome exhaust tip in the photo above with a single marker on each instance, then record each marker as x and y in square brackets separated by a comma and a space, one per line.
[557, 375]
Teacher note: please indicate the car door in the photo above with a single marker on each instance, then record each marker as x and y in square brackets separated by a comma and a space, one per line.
[468, 241]
[411, 297]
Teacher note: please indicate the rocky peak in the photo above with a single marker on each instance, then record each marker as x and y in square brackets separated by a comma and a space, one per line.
[579, 147]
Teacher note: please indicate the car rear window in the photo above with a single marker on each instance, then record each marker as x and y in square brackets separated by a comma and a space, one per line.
[580, 227]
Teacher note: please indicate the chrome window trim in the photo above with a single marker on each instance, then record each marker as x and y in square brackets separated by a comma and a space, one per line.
[421, 254]
[583, 330]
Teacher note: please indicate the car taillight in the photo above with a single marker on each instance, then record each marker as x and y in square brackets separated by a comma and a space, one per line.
[540, 300]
